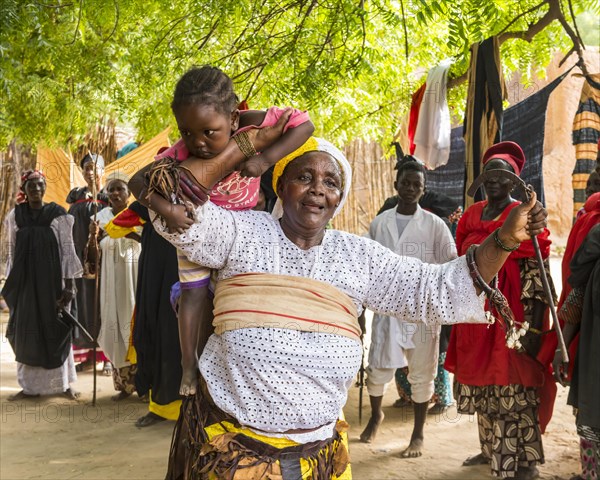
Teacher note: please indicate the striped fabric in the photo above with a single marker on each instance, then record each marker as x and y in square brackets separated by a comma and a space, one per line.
[191, 275]
[586, 133]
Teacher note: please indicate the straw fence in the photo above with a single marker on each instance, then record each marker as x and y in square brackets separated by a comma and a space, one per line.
[373, 176]
[372, 182]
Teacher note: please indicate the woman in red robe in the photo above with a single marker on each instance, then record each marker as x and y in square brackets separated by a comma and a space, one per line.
[501, 384]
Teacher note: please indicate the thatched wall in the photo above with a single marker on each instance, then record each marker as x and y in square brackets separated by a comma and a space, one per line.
[12, 162]
[373, 181]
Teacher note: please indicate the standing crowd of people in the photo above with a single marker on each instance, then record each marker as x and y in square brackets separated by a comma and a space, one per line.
[223, 297]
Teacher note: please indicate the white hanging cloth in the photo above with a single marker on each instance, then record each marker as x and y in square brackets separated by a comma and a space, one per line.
[432, 136]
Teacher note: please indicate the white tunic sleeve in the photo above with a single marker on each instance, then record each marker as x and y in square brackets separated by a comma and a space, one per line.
[62, 226]
[447, 250]
[208, 242]
[8, 246]
[411, 290]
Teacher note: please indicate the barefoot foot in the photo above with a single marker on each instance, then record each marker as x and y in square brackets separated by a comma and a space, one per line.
[479, 459]
[120, 396]
[414, 449]
[527, 473]
[148, 420]
[370, 431]
[71, 394]
[20, 396]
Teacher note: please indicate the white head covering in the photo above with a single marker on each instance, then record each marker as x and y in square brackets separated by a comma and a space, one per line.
[116, 175]
[314, 144]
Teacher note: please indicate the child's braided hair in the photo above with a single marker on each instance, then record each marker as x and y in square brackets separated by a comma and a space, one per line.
[205, 85]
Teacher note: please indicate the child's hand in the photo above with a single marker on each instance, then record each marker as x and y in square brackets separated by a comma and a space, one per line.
[255, 166]
[177, 219]
[262, 138]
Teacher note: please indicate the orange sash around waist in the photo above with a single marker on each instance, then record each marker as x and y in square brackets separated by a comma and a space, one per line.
[280, 301]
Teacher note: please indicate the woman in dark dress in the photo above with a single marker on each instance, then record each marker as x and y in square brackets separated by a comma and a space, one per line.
[42, 267]
[155, 329]
[581, 314]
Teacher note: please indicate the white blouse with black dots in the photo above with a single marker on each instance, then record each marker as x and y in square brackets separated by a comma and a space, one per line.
[275, 380]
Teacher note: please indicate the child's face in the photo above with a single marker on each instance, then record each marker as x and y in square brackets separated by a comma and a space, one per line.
[205, 130]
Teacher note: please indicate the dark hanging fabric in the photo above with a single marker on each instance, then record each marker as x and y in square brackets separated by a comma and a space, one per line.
[483, 115]
[36, 334]
[586, 133]
[155, 330]
[523, 123]
[450, 178]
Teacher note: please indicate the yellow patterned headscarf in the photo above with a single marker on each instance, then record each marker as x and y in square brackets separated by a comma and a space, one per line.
[314, 144]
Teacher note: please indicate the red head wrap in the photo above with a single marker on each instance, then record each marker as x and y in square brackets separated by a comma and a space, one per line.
[510, 152]
[25, 176]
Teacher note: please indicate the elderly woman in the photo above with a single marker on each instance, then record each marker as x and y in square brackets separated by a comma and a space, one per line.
[504, 386]
[118, 281]
[42, 265]
[286, 346]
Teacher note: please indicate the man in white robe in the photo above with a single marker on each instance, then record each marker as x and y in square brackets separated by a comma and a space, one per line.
[410, 231]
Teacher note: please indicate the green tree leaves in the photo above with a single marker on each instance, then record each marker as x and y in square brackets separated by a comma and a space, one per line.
[65, 64]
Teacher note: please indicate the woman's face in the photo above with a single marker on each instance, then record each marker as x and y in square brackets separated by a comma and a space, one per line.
[35, 189]
[593, 184]
[498, 188]
[118, 193]
[310, 190]
[205, 130]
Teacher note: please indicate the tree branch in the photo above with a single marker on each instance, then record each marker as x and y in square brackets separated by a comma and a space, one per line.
[574, 38]
[554, 13]
[72, 42]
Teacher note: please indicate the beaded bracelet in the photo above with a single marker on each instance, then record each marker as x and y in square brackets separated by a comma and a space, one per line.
[244, 144]
[474, 272]
[498, 301]
[501, 245]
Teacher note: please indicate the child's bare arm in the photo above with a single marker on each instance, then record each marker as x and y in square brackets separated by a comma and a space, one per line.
[289, 141]
[206, 173]
[175, 215]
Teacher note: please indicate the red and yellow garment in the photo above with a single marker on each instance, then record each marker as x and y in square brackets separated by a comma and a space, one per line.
[582, 227]
[477, 354]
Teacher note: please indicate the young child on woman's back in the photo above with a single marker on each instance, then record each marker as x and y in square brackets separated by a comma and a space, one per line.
[205, 107]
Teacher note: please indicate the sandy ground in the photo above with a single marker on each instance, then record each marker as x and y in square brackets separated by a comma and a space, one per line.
[55, 438]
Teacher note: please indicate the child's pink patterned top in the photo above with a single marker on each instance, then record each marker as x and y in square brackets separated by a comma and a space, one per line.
[235, 192]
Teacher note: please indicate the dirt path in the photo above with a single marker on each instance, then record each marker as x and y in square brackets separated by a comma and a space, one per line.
[60, 439]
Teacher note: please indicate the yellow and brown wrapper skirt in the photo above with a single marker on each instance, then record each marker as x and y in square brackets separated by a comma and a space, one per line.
[210, 444]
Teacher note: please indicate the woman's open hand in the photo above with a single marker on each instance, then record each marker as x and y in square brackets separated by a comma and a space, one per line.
[264, 137]
[524, 221]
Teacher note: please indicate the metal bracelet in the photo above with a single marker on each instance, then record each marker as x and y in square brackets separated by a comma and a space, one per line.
[244, 144]
[501, 245]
